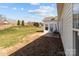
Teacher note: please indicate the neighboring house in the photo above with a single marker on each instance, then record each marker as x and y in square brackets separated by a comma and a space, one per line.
[50, 24]
[3, 20]
[68, 15]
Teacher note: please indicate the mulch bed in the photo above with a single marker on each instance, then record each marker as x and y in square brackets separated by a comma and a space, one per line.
[43, 46]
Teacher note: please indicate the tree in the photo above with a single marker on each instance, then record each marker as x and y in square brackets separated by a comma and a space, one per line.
[18, 22]
[36, 24]
[22, 23]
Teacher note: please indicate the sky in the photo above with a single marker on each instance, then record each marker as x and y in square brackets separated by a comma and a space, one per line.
[28, 11]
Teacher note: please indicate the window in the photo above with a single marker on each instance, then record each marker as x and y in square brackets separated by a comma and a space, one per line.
[46, 26]
[76, 15]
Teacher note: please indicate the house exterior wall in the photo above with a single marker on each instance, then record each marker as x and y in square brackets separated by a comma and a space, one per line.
[50, 24]
[46, 31]
[65, 28]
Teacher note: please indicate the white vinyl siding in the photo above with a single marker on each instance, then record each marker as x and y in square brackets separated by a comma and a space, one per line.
[65, 28]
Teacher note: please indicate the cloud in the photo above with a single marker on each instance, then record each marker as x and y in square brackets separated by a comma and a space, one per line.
[22, 9]
[14, 8]
[35, 3]
[43, 11]
[4, 7]
[7, 7]
[37, 11]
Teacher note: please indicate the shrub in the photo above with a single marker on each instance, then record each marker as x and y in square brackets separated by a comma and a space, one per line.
[36, 24]
[22, 23]
[18, 22]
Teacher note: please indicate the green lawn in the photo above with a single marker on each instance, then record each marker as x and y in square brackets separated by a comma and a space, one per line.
[13, 35]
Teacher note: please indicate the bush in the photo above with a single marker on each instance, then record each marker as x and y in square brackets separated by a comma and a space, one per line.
[36, 24]
[18, 22]
[22, 23]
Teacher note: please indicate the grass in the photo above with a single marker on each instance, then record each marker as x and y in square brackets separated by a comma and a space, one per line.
[13, 35]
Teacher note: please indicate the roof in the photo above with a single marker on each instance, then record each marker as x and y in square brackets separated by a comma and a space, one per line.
[48, 19]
